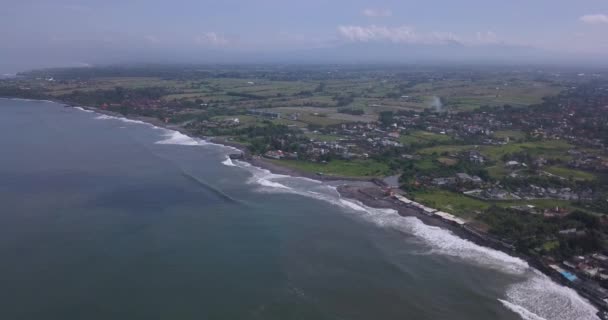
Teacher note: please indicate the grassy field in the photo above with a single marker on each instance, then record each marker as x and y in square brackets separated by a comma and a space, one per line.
[426, 164]
[323, 137]
[466, 207]
[464, 95]
[550, 149]
[445, 149]
[344, 168]
[497, 171]
[451, 202]
[447, 161]
[421, 137]
[373, 94]
[511, 134]
[568, 173]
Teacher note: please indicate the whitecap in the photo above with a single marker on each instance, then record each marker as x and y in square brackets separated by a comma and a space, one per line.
[126, 120]
[540, 296]
[178, 138]
[83, 109]
[265, 178]
[104, 117]
[228, 162]
[521, 311]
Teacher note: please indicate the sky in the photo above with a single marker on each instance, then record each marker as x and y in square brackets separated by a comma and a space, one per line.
[36, 33]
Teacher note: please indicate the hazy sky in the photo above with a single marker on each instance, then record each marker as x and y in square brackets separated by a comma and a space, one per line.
[40, 32]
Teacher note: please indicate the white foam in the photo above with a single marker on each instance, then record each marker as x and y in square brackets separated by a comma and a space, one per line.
[171, 136]
[540, 296]
[521, 311]
[22, 99]
[107, 117]
[228, 162]
[178, 138]
[265, 178]
[83, 109]
[29, 100]
[104, 117]
[352, 205]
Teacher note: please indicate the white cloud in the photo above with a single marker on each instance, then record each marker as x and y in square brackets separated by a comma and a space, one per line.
[487, 37]
[403, 34]
[594, 18]
[376, 13]
[211, 39]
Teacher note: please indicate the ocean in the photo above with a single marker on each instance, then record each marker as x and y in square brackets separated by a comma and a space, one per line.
[109, 218]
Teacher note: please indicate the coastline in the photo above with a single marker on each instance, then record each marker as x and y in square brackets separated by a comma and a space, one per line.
[366, 193]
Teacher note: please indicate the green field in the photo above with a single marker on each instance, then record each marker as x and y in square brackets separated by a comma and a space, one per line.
[466, 207]
[322, 137]
[422, 137]
[343, 168]
[497, 171]
[445, 149]
[511, 134]
[451, 202]
[550, 149]
[568, 173]
[447, 161]
[426, 164]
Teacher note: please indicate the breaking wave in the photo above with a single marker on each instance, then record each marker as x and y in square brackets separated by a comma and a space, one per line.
[521, 311]
[176, 137]
[228, 162]
[107, 117]
[83, 109]
[266, 179]
[536, 297]
[29, 100]
[171, 137]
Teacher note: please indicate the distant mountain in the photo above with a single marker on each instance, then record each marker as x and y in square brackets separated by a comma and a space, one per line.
[409, 53]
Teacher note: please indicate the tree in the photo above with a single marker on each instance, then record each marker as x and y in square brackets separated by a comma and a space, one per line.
[386, 117]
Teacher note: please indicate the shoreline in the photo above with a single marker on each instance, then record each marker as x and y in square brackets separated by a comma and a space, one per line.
[365, 192]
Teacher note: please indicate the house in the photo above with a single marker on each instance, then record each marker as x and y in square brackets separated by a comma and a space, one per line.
[274, 154]
[443, 181]
[476, 157]
[512, 164]
[556, 212]
[465, 178]
[571, 231]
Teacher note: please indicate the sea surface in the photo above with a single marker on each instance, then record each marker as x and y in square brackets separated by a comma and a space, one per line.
[109, 218]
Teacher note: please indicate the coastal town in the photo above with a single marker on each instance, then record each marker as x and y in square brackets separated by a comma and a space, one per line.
[514, 160]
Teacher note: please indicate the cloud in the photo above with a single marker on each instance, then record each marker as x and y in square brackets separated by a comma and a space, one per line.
[403, 34]
[487, 37]
[377, 13]
[595, 19]
[211, 39]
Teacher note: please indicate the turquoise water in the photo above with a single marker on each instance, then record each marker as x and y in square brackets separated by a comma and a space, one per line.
[107, 218]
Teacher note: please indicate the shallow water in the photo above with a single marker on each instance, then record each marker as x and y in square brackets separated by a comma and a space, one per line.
[108, 218]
